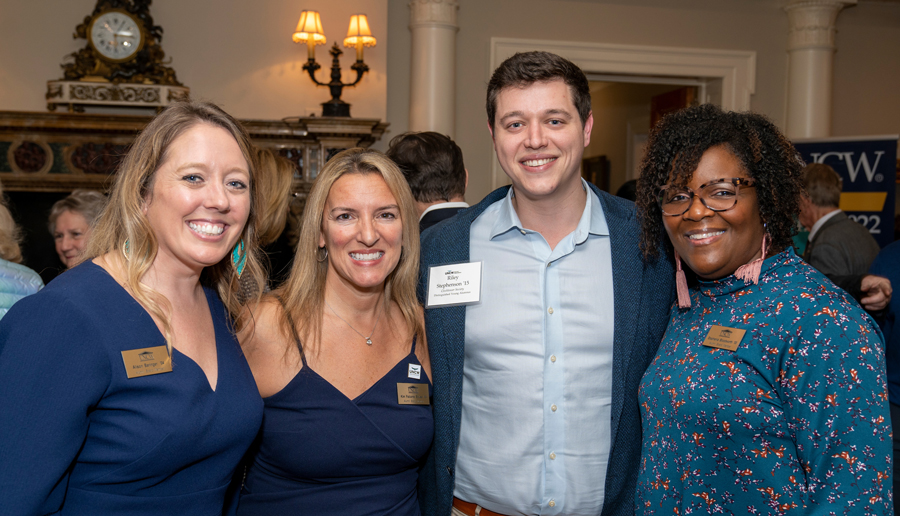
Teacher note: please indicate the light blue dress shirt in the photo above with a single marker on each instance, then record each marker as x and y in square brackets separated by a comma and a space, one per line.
[537, 376]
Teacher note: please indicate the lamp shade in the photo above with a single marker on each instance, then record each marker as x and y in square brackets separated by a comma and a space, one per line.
[309, 28]
[359, 32]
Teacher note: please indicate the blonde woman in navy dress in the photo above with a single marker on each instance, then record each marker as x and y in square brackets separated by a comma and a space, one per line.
[122, 387]
[339, 355]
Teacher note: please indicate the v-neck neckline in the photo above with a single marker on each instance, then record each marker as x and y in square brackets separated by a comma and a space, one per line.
[145, 313]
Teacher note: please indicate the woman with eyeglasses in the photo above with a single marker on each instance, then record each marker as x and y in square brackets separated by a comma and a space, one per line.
[768, 393]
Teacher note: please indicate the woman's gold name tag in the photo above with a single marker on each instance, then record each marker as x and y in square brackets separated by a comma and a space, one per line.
[412, 393]
[147, 361]
[723, 337]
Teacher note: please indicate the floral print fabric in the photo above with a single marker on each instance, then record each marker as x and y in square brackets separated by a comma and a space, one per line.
[794, 421]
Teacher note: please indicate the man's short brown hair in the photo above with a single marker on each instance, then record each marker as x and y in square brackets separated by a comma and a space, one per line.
[432, 164]
[526, 68]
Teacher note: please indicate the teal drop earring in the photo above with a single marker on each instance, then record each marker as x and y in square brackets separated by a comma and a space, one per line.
[239, 257]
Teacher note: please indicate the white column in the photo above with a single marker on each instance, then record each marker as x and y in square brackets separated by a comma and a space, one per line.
[810, 65]
[432, 100]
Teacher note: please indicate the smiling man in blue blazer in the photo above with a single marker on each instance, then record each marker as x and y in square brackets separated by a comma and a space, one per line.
[535, 381]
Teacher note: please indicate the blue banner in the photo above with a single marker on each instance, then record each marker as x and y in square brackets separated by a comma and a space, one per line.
[868, 166]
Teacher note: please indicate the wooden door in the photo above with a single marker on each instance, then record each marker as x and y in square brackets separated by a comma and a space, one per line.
[669, 102]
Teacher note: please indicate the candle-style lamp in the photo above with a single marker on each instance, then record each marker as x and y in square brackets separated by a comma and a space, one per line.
[309, 30]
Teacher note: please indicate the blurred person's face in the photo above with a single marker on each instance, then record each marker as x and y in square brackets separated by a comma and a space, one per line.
[807, 215]
[715, 243]
[71, 236]
[200, 200]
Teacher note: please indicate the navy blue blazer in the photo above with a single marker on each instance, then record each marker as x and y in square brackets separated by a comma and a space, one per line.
[643, 292]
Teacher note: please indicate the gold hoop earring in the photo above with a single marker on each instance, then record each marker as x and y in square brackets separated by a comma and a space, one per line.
[125, 250]
[320, 257]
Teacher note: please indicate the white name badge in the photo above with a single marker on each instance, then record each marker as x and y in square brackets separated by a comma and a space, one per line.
[454, 284]
[415, 371]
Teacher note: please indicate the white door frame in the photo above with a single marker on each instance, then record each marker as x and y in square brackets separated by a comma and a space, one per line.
[735, 68]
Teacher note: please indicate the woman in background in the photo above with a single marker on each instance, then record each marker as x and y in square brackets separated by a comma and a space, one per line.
[339, 354]
[273, 182]
[768, 391]
[16, 280]
[70, 223]
[122, 387]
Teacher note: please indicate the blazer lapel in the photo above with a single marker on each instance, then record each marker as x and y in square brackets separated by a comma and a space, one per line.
[811, 243]
[627, 284]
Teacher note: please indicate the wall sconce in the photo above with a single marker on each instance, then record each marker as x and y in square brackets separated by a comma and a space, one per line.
[309, 30]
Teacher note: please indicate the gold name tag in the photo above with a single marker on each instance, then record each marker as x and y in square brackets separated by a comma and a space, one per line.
[147, 361]
[723, 337]
[412, 393]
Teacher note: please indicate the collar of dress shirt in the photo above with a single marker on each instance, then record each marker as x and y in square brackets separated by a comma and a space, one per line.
[819, 223]
[592, 221]
[441, 206]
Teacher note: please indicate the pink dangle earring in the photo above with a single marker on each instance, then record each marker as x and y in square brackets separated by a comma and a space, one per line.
[681, 287]
[749, 272]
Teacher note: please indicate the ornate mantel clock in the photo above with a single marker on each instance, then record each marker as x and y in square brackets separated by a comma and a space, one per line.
[121, 65]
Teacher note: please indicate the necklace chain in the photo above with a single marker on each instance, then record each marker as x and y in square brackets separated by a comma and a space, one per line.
[369, 338]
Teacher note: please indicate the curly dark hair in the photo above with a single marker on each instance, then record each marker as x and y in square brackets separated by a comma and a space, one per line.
[679, 140]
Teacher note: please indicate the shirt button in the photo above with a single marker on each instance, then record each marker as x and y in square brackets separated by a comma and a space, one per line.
[550, 310]
[548, 264]
[553, 408]
[522, 231]
[553, 358]
[552, 456]
[552, 503]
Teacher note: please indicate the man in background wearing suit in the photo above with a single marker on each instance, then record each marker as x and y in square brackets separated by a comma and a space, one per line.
[535, 382]
[433, 166]
[839, 247]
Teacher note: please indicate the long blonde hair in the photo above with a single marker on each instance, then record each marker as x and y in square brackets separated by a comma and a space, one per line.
[273, 182]
[303, 294]
[123, 220]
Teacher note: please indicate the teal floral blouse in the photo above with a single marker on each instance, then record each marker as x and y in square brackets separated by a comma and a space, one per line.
[793, 421]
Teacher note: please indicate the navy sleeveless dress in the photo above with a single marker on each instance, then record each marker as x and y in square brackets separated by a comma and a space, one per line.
[320, 452]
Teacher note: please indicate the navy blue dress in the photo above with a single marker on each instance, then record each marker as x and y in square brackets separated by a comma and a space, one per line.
[77, 436]
[323, 453]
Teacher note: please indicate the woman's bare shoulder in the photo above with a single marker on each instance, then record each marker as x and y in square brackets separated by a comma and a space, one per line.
[269, 352]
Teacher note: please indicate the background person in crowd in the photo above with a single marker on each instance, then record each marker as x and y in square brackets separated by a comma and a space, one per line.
[433, 166]
[768, 389]
[887, 265]
[273, 181]
[70, 223]
[122, 387]
[628, 190]
[339, 354]
[16, 280]
[838, 247]
[535, 407]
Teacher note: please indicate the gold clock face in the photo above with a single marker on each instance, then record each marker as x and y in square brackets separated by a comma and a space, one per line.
[116, 35]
